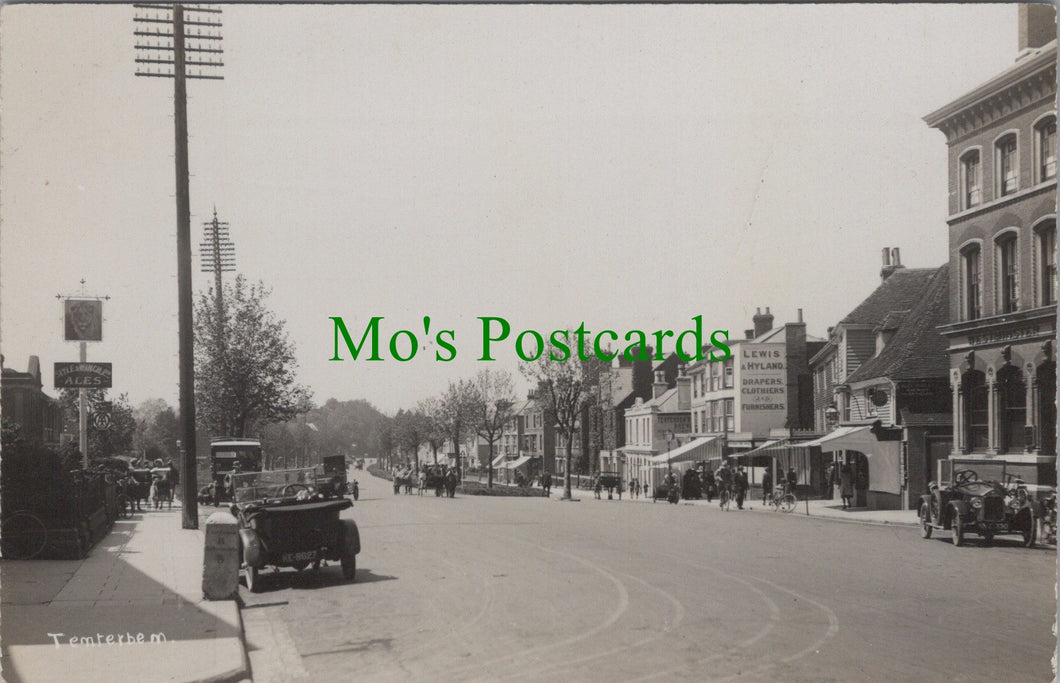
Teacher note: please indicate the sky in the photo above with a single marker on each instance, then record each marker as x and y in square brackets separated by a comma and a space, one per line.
[629, 167]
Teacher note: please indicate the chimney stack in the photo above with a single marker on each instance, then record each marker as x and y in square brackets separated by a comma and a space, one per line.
[1037, 26]
[892, 261]
[684, 389]
[763, 321]
[660, 386]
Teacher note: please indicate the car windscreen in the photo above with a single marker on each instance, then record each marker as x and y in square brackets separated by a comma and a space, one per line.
[250, 486]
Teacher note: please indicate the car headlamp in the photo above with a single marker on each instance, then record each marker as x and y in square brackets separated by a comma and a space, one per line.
[977, 503]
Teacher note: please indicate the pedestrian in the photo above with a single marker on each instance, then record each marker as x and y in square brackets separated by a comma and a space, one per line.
[708, 483]
[546, 483]
[597, 488]
[741, 484]
[793, 479]
[846, 485]
[767, 485]
[632, 488]
[724, 479]
[645, 489]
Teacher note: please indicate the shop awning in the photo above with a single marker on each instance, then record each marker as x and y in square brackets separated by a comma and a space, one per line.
[766, 449]
[499, 461]
[516, 464]
[697, 449]
[885, 457]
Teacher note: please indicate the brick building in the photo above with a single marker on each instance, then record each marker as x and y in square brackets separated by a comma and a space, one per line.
[22, 400]
[1002, 147]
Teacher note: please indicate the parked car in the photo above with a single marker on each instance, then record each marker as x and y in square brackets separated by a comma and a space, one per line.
[987, 508]
[285, 522]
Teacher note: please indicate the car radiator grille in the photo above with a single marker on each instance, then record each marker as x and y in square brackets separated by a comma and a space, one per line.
[993, 509]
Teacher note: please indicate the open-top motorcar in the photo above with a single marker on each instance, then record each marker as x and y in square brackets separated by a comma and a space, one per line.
[284, 521]
[987, 508]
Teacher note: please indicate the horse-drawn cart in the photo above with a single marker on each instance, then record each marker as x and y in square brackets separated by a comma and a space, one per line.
[284, 521]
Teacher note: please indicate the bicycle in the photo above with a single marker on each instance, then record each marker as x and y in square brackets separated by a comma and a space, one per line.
[725, 497]
[125, 506]
[23, 536]
[782, 500]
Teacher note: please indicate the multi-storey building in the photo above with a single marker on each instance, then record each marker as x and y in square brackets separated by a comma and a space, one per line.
[654, 427]
[1002, 148]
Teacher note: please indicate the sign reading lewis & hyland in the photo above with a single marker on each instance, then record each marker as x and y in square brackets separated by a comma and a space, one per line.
[82, 376]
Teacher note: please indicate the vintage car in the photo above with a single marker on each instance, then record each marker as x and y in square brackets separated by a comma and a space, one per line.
[986, 508]
[285, 522]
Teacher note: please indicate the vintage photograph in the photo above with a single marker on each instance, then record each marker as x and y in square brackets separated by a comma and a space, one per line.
[593, 342]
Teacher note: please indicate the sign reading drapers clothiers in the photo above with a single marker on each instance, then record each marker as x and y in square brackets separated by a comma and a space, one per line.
[83, 376]
[761, 379]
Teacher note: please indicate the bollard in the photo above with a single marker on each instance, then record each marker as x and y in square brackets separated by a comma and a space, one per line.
[220, 560]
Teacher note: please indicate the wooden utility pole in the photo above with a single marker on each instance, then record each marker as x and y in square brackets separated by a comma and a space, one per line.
[164, 49]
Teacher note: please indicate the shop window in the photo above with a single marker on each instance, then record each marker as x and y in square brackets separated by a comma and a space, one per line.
[972, 282]
[1008, 273]
[1012, 410]
[1007, 165]
[1046, 377]
[976, 413]
[971, 180]
[1045, 137]
[1046, 243]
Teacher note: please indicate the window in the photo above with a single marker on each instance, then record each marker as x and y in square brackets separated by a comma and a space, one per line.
[1012, 411]
[972, 287]
[730, 424]
[1007, 165]
[1047, 263]
[976, 424]
[728, 374]
[1008, 273]
[1046, 149]
[971, 180]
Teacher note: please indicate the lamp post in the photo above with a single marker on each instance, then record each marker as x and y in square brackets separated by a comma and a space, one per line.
[669, 440]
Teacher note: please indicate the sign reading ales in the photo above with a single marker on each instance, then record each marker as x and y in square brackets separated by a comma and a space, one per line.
[82, 376]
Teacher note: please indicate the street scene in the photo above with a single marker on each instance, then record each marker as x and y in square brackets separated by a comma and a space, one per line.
[524, 342]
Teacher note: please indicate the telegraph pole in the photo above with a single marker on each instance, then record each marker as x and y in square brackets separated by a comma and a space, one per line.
[164, 38]
[217, 255]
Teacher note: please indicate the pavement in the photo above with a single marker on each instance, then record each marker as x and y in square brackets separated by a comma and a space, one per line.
[819, 509]
[132, 610]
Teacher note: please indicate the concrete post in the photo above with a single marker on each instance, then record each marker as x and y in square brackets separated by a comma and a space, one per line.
[220, 570]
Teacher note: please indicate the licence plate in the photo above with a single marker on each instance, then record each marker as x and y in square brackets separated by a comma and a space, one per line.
[299, 557]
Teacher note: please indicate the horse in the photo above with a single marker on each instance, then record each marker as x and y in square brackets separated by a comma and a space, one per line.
[450, 484]
[136, 491]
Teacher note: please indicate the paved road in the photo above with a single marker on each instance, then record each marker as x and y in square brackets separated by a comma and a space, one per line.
[481, 588]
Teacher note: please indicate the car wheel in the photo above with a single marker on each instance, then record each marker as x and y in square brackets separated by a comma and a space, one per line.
[925, 522]
[349, 566]
[300, 566]
[958, 530]
[1029, 528]
[253, 579]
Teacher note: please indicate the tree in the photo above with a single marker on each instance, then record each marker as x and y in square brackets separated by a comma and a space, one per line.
[494, 405]
[117, 438]
[244, 364]
[436, 428]
[458, 412]
[411, 427]
[563, 391]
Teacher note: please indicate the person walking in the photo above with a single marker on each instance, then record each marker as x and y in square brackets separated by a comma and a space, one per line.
[767, 485]
[597, 488]
[708, 484]
[793, 479]
[546, 483]
[846, 485]
[741, 483]
[724, 483]
[632, 488]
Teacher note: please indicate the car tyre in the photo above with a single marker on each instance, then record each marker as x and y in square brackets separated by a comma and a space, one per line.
[349, 566]
[925, 522]
[958, 530]
[253, 579]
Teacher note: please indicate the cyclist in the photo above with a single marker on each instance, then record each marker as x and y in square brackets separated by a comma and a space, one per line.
[724, 477]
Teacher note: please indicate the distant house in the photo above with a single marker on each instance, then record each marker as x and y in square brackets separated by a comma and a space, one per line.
[22, 400]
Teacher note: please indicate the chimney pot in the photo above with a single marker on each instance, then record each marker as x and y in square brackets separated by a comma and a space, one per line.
[800, 315]
[896, 259]
[886, 256]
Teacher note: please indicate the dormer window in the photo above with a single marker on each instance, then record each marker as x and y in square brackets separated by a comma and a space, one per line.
[971, 180]
[1007, 165]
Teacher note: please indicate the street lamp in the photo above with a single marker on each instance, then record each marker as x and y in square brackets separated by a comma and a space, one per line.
[669, 440]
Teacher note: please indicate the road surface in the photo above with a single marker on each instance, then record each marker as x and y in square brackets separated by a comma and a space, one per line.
[489, 588]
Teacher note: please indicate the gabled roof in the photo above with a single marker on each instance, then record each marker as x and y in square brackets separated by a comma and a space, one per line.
[899, 292]
[665, 403]
[917, 350]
